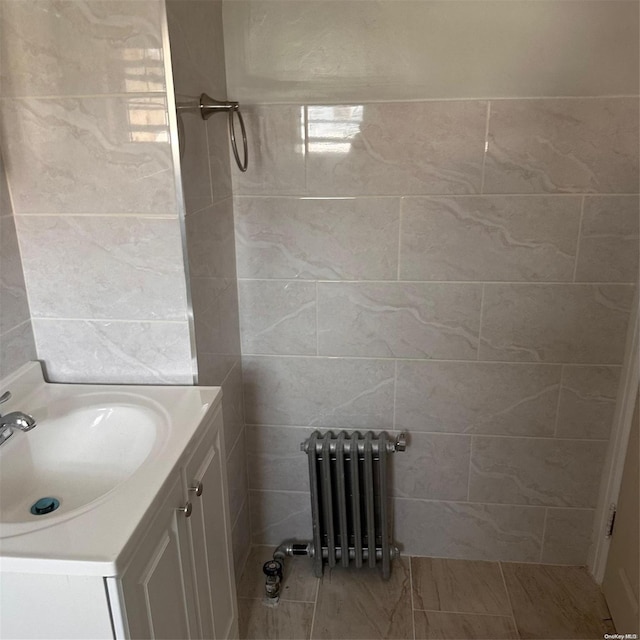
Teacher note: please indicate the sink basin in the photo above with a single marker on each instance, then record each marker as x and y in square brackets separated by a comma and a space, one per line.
[84, 447]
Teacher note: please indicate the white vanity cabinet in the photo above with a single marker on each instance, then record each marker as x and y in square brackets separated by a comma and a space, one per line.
[180, 582]
[154, 597]
[150, 559]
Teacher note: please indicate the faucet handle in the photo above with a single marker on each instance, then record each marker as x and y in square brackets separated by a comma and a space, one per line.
[5, 396]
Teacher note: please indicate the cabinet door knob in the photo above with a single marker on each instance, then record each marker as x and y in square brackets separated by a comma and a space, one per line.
[197, 488]
[187, 509]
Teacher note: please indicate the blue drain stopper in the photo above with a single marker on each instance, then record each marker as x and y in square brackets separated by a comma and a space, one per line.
[45, 505]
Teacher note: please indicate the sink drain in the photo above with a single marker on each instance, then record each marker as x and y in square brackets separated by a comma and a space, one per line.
[44, 506]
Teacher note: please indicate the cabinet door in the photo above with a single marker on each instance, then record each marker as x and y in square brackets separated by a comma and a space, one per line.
[210, 534]
[157, 586]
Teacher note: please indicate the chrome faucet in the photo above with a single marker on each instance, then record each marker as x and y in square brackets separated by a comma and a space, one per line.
[13, 420]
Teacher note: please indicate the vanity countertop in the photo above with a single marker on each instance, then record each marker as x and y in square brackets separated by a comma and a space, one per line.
[93, 538]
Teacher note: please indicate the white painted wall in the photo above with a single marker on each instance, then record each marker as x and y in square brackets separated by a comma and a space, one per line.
[369, 50]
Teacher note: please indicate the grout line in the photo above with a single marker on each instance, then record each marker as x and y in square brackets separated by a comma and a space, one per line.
[102, 320]
[531, 283]
[394, 358]
[433, 433]
[472, 503]
[235, 443]
[15, 326]
[555, 426]
[506, 589]
[304, 112]
[210, 172]
[480, 325]
[400, 208]
[493, 561]
[315, 607]
[242, 506]
[469, 468]
[135, 95]
[480, 503]
[486, 146]
[444, 196]
[346, 102]
[468, 613]
[544, 532]
[151, 216]
[395, 394]
[575, 266]
[413, 608]
[317, 322]
[281, 599]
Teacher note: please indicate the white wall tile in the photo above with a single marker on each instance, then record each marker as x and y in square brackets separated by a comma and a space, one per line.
[279, 515]
[16, 348]
[323, 238]
[275, 458]
[197, 47]
[318, 392]
[210, 242]
[14, 306]
[469, 531]
[275, 137]
[609, 240]
[277, 317]
[587, 401]
[215, 311]
[404, 320]
[89, 155]
[489, 238]
[434, 467]
[241, 538]
[396, 148]
[232, 394]
[555, 323]
[237, 474]
[116, 267]
[114, 352]
[477, 397]
[74, 47]
[563, 146]
[552, 472]
[567, 536]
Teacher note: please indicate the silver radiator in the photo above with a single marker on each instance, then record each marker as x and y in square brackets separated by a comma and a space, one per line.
[349, 502]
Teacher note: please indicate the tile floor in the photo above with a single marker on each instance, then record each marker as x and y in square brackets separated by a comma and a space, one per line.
[426, 598]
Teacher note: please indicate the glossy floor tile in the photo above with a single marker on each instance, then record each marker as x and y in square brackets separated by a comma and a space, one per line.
[463, 586]
[425, 599]
[290, 620]
[359, 604]
[435, 625]
[572, 603]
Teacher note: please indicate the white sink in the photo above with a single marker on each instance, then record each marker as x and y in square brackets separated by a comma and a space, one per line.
[83, 447]
[103, 451]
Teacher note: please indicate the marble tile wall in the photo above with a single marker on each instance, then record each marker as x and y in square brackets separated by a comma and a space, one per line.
[198, 65]
[85, 134]
[460, 270]
[17, 345]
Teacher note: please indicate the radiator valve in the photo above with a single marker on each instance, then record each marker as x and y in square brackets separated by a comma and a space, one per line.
[272, 569]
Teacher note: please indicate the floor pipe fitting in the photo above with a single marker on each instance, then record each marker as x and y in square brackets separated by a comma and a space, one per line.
[274, 569]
